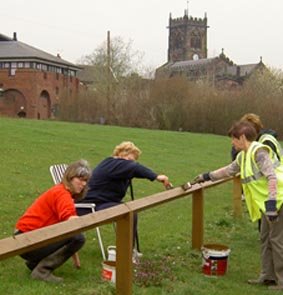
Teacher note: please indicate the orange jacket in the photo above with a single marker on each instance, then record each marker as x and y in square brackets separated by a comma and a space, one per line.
[53, 206]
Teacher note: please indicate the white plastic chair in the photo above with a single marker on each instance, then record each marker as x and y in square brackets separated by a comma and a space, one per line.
[57, 171]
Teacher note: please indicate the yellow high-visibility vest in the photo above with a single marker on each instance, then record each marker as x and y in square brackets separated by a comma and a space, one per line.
[255, 185]
[268, 137]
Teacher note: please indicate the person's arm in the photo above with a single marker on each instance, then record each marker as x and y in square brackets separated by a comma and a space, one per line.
[265, 165]
[229, 170]
[224, 172]
[165, 180]
[64, 205]
[144, 172]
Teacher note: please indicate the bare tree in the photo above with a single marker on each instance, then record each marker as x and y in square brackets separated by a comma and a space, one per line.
[110, 67]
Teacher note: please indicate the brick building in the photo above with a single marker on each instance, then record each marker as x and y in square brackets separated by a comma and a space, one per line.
[32, 82]
[187, 56]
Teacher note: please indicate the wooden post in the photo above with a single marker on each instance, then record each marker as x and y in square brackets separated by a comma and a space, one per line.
[124, 244]
[237, 197]
[197, 219]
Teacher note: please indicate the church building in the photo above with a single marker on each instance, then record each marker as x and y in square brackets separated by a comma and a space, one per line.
[187, 56]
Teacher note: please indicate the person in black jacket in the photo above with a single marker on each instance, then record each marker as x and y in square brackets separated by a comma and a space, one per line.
[111, 178]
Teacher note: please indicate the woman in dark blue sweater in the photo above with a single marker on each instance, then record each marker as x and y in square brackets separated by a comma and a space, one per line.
[111, 178]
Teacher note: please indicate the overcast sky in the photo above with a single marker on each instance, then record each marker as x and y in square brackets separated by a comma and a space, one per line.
[246, 29]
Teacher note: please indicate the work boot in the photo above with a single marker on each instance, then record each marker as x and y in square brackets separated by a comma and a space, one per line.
[43, 271]
[44, 275]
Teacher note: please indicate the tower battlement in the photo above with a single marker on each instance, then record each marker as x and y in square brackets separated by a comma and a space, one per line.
[187, 38]
[185, 20]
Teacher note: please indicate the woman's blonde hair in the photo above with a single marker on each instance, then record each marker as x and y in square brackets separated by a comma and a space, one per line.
[254, 120]
[125, 148]
[78, 169]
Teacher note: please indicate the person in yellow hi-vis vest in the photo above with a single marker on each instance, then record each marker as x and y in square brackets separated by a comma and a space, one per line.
[264, 136]
[262, 179]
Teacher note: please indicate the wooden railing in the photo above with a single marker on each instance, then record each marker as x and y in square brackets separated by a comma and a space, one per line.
[123, 216]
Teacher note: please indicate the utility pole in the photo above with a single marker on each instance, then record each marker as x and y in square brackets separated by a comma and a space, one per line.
[108, 77]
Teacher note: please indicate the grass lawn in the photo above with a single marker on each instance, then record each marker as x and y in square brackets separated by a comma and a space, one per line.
[169, 265]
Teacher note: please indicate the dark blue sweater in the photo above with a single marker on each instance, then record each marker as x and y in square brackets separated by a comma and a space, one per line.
[110, 179]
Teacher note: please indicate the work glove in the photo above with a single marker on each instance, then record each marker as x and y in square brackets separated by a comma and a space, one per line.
[270, 210]
[202, 178]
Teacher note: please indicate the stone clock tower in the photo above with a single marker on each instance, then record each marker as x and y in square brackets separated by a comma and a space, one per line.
[187, 38]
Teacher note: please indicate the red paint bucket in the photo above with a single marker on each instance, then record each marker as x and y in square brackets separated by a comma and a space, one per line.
[215, 259]
[108, 272]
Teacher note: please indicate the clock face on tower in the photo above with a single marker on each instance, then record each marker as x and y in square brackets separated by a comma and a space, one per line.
[195, 57]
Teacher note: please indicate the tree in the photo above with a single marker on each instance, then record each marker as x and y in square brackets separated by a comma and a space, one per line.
[111, 64]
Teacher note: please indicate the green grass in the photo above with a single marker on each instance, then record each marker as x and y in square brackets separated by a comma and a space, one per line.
[169, 265]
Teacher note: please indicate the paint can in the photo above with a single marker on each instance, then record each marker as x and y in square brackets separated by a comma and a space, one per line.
[215, 259]
[108, 272]
[111, 253]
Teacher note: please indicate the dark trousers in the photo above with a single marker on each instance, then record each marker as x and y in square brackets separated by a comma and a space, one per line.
[73, 245]
[98, 207]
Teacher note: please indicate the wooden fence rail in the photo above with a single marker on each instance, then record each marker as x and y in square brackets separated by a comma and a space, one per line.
[123, 216]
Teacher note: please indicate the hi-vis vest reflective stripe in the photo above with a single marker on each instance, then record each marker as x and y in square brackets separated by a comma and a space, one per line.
[268, 137]
[254, 183]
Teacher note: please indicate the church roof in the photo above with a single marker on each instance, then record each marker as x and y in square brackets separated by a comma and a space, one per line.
[192, 63]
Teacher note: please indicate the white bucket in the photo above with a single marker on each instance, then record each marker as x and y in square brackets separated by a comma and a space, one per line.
[215, 259]
[111, 253]
[108, 272]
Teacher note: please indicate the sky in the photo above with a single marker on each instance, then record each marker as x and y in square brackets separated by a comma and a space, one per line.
[245, 29]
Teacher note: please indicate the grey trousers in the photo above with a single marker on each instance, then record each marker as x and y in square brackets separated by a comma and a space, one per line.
[271, 236]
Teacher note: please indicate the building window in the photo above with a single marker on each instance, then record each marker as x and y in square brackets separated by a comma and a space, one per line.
[12, 72]
[20, 65]
[57, 90]
[13, 69]
[44, 67]
[196, 41]
[26, 65]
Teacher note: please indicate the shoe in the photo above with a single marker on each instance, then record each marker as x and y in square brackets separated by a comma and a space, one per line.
[262, 282]
[137, 253]
[276, 287]
[136, 256]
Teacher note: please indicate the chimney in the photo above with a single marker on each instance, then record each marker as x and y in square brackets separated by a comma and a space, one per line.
[15, 36]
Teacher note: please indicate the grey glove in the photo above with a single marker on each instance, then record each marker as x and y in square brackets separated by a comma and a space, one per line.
[202, 178]
[271, 210]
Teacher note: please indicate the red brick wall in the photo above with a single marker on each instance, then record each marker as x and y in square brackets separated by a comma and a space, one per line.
[25, 89]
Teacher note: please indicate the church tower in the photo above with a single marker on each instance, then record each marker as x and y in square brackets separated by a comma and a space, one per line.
[187, 38]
